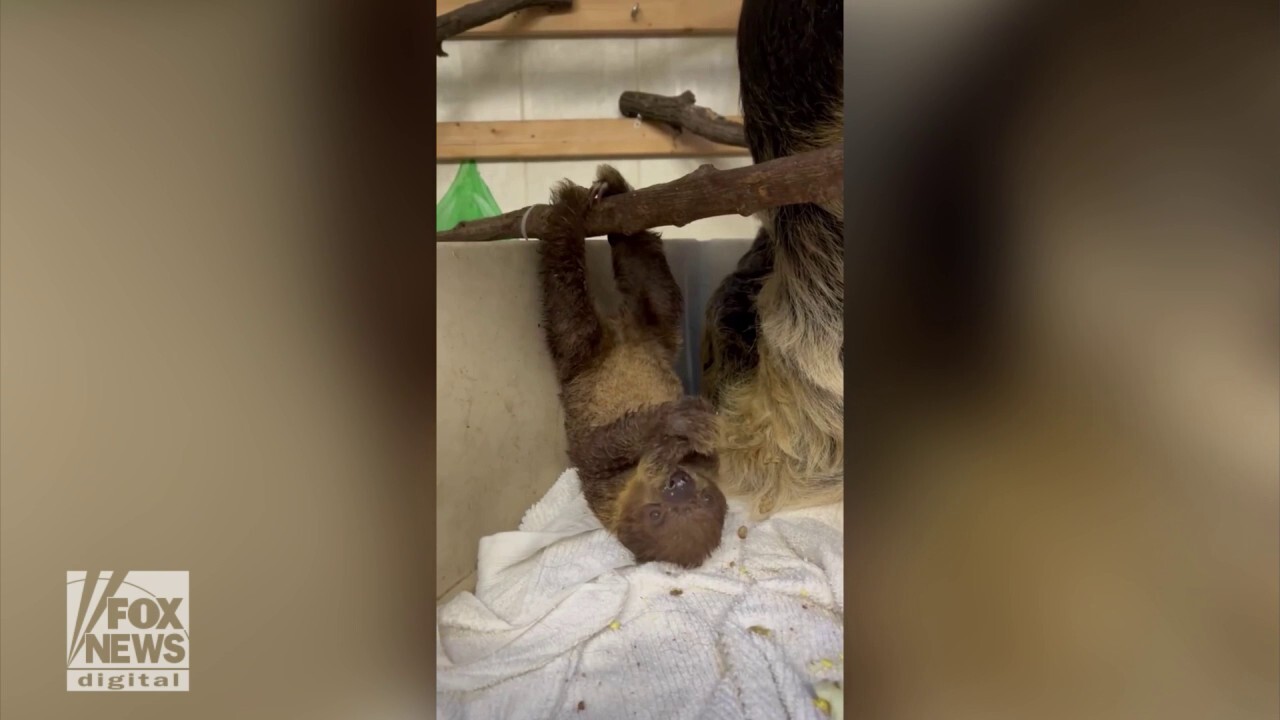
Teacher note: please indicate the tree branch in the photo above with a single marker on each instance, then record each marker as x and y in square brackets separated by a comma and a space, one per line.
[811, 177]
[483, 12]
[681, 113]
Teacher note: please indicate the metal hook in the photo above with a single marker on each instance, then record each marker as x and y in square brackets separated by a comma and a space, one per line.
[635, 10]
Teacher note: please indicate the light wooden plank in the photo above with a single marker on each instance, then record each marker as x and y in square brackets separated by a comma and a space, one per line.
[611, 18]
[570, 139]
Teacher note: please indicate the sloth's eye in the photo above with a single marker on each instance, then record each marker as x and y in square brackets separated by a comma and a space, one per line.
[655, 515]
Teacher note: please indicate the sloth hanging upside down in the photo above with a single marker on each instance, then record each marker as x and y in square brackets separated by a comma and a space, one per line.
[773, 351]
[645, 454]
[770, 429]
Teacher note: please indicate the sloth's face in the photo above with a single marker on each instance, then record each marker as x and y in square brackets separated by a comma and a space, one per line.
[672, 514]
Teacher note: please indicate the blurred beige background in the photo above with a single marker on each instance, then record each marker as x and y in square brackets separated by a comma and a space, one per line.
[182, 388]
[1074, 505]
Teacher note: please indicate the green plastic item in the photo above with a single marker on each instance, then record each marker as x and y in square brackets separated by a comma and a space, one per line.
[467, 198]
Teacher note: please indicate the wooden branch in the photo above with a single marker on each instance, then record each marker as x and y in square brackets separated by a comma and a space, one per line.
[816, 176]
[612, 18]
[484, 12]
[681, 113]
[614, 138]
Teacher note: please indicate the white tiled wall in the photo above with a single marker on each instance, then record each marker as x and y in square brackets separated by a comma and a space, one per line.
[554, 79]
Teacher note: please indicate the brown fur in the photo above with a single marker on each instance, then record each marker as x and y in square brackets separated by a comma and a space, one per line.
[631, 433]
[729, 348]
[780, 394]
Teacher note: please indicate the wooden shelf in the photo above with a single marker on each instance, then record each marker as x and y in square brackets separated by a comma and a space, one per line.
[570, 140]
[611, 18]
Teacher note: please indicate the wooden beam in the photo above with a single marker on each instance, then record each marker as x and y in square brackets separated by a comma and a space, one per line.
[611, 18]
[616, 138]
[482, 12]
[816, 176]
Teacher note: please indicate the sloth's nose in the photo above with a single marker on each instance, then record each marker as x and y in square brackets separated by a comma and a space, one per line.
[679, 487]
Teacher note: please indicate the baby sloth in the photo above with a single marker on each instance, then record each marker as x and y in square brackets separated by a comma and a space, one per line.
[644, 452]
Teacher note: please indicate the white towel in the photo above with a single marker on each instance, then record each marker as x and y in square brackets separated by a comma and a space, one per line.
[564, 624]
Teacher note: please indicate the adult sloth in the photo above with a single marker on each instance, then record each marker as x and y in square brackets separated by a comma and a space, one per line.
[773, 353]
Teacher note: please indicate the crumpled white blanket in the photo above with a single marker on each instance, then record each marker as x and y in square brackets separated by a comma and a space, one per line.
[564, 624]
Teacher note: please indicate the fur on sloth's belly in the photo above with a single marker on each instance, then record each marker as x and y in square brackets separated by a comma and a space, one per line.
[631, 377]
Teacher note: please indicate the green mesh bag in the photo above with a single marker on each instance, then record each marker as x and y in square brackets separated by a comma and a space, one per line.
[468, 198]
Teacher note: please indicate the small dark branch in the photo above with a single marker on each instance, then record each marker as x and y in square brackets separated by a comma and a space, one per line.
[681, 113]
[812, 177]
[482, 12]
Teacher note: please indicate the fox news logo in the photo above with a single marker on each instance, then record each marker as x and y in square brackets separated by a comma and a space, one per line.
[127, 631]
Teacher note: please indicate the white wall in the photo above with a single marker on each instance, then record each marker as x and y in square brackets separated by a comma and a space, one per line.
[571, 79]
